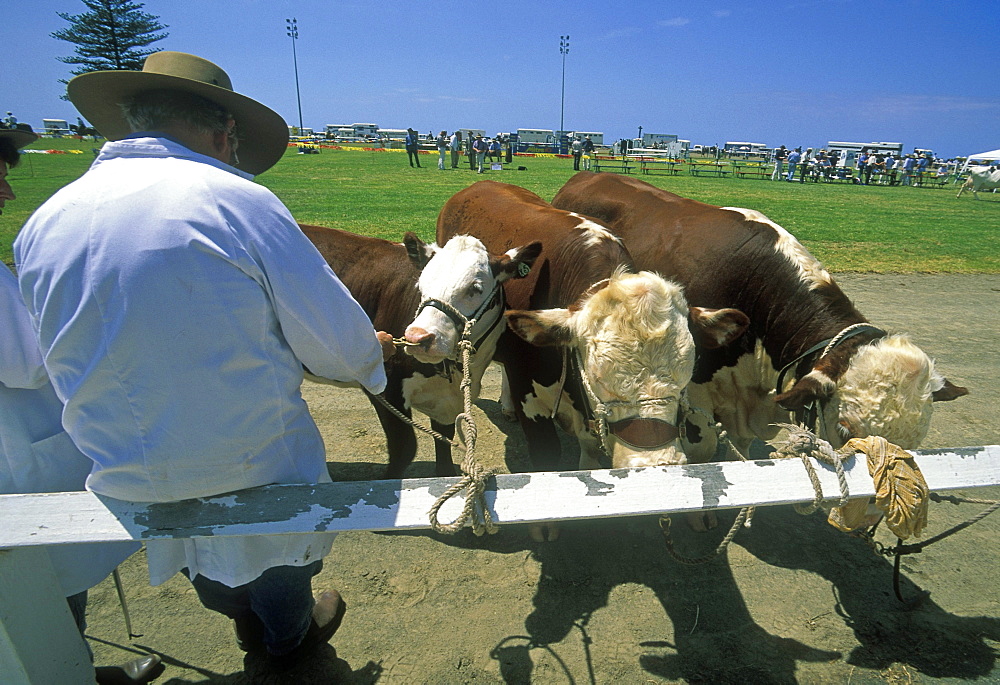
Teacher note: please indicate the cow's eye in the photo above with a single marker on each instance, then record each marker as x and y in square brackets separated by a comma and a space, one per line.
[475, 289]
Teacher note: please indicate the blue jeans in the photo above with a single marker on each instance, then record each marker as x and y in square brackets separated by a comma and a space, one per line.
[281, 599]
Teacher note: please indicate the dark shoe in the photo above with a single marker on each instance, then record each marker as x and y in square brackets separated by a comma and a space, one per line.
[330, 609]
[142, 670]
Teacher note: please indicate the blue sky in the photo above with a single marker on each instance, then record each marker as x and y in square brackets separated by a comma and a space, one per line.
[792, 72]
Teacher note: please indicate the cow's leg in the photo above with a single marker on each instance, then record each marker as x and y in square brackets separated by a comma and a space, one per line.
[544, 452]
[442, 450]
[507, 409]
[400, 441]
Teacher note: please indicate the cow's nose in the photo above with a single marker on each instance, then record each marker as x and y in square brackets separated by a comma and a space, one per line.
[418, 336]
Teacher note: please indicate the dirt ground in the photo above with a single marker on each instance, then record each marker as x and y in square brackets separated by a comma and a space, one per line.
[792, 601]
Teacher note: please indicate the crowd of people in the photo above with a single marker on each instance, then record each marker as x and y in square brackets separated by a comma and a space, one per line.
[871, 167]
[165, 364]
[479, 150]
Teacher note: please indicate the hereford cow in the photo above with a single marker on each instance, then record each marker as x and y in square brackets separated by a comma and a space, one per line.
[807, 346]
[383, 277]
[582, 327]
[981, 178]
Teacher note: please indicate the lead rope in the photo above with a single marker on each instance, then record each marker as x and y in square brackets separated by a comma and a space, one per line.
[407, 419]
[475, 512]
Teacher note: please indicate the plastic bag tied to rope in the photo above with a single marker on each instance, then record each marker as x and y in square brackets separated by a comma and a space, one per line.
[901, 493]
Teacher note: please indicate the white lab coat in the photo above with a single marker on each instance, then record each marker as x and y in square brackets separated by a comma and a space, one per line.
[36, 454]
[176, 302]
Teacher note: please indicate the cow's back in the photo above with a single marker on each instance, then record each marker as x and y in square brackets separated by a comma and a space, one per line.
[379, 274]
[722, 257]
[576, 251]
[689, 241]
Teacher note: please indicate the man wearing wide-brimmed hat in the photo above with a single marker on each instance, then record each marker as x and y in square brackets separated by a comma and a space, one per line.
[176, 303]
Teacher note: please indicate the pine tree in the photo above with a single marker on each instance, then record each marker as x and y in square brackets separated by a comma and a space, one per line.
[112, 35]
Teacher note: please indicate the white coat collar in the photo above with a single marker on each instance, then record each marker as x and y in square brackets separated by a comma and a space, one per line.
[146, 145]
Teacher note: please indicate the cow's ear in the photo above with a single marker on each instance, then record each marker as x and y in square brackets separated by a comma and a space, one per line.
[814, 385]
[516, 262]
[417, 250]
[948, 392]
[541, 327]
[712, 328]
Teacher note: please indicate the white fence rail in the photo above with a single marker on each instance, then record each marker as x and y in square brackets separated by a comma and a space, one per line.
[35, 624]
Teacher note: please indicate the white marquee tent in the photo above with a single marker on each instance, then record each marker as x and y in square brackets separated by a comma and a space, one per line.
[982, 158]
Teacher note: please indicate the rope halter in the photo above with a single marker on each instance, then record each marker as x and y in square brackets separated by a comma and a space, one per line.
[466, 325]
[810, 416]
[636, 431]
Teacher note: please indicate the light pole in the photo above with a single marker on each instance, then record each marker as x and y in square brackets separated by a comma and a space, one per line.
[563, 50]
[292, 31]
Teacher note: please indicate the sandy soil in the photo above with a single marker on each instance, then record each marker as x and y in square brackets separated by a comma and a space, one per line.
[793, 600]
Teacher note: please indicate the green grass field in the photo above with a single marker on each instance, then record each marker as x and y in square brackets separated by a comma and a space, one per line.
[849, 228]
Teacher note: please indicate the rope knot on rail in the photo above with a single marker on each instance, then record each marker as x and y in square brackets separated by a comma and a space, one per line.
[803, 444]
[901, 493]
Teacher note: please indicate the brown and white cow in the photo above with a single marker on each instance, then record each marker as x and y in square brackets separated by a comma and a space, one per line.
[981, 178]
[581, 325]
[863, 381]
[383, 277]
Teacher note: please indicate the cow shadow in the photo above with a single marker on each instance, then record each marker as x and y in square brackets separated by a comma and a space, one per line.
[926, 638]
[715, 639]
[591, 558]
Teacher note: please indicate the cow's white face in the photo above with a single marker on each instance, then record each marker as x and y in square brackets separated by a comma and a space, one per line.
[637, 354]
[887, 391]
[463, 275]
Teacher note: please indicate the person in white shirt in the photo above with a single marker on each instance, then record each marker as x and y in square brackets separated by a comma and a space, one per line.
[176, 303]
[456, 147]
[36, 454]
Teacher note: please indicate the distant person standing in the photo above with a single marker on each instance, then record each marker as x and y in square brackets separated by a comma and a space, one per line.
[793, 160]
[480, 148]
[909, 164]
[890, 168]
[577, 149]
[588, 152]
[412, 147]
[863, 166]
[10, 121]
[779, 163]
[804, 164]
[456, 148]
[442, 146]
[494, 147]
[470, 152]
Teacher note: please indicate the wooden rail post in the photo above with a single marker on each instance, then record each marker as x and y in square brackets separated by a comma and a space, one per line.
[39, 640]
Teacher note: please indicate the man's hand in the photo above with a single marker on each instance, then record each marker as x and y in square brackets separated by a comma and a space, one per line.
[388, 348]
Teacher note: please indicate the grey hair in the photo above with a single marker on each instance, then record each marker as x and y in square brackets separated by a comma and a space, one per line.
[155, 109]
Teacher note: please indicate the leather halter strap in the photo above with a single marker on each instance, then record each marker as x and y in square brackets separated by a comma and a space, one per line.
[827, 346]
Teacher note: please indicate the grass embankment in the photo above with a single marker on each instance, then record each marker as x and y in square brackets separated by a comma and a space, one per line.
[849, 228]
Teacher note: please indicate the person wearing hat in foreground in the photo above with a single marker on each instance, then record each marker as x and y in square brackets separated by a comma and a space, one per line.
[176, 303]
[36, 454]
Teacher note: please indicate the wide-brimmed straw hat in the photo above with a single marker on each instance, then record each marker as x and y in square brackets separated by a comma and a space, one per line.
[99, 96]
[19, 136]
